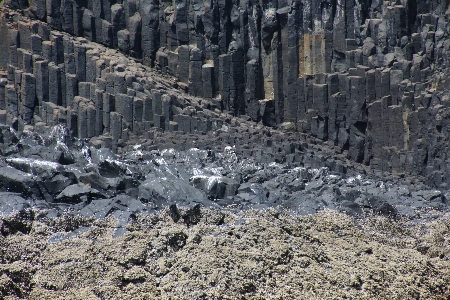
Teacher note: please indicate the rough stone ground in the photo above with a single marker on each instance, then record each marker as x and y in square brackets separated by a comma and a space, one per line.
[144, 241]
[223, 255]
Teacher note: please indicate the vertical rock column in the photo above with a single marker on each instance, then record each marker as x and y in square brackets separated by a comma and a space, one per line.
[80, 61]
[301, 101]
[158, 118]
[108, 107]
[54, 78]
[138, 109]
[375, 132]
[277, 69]
[12, 105]
[224, 80]
[269, 24]
[28, 97]
[117, 22]
[295, 30]
[172, 67]
[98, 106]
[319, 124]
[92, 55]
[124, 106]
[13, 35]
[134, 26]
[252, 73]
[67, 11]
[251, 89]
[4, 46]
[208, 81]
[183, 64]
[195, 72]
[42, 83]
[71, 90]
[357, 118]
[54, 14]
[3, 83]
[149, 11]
[68, 100]
[237, 84]
[333, 93]
[167, 102]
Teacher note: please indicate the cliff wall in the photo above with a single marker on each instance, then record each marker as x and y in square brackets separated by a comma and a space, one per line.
[366, 77]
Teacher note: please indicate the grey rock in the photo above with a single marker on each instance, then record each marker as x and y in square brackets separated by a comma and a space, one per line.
[77, 193]
[13, 180]
[166, 191]
[215, 187]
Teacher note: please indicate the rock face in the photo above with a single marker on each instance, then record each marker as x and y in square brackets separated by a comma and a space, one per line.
[367, 77]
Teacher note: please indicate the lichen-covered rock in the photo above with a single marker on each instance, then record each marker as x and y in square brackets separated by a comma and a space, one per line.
[251, 254]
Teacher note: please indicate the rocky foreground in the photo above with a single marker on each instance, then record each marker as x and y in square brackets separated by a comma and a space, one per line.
[224, 255]
[82, 222]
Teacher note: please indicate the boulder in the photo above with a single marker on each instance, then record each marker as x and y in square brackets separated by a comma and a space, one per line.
[163, 191]
[77, 193]
[215, 187]
[12, 202]
[13, 180]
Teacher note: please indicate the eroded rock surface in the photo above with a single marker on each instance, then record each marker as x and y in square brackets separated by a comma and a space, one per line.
[218, 254]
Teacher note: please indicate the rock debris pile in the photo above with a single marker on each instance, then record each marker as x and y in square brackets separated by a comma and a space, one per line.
[66, 176]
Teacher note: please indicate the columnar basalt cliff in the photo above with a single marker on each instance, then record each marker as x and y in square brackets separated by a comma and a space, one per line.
[368, 77]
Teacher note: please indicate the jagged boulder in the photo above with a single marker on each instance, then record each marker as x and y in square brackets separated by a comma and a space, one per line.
[215, 187]
[163, 191]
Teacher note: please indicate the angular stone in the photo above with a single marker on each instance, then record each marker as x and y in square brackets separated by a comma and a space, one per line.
[42, 81]
[13, 180]
[208, 81]
[55, 80]
[124, 106]
[71, 90]
[116, 125]
[108, 107]
[80, 61]
[184, 122]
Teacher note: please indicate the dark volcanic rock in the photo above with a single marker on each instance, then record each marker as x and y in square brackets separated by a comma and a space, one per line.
[100, 184]
[173, 123]
[78, 193]
[215, 187]
[163, 191]
[368, 80]
[13, 180]
[13, 202]
[111, 168]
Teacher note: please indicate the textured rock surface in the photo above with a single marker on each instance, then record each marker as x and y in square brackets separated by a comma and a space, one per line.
[368, 77]
[65, 175]
[208, 149]
[249, 255]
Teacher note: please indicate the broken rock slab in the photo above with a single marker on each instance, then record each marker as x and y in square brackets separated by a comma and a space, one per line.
[77, 193]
